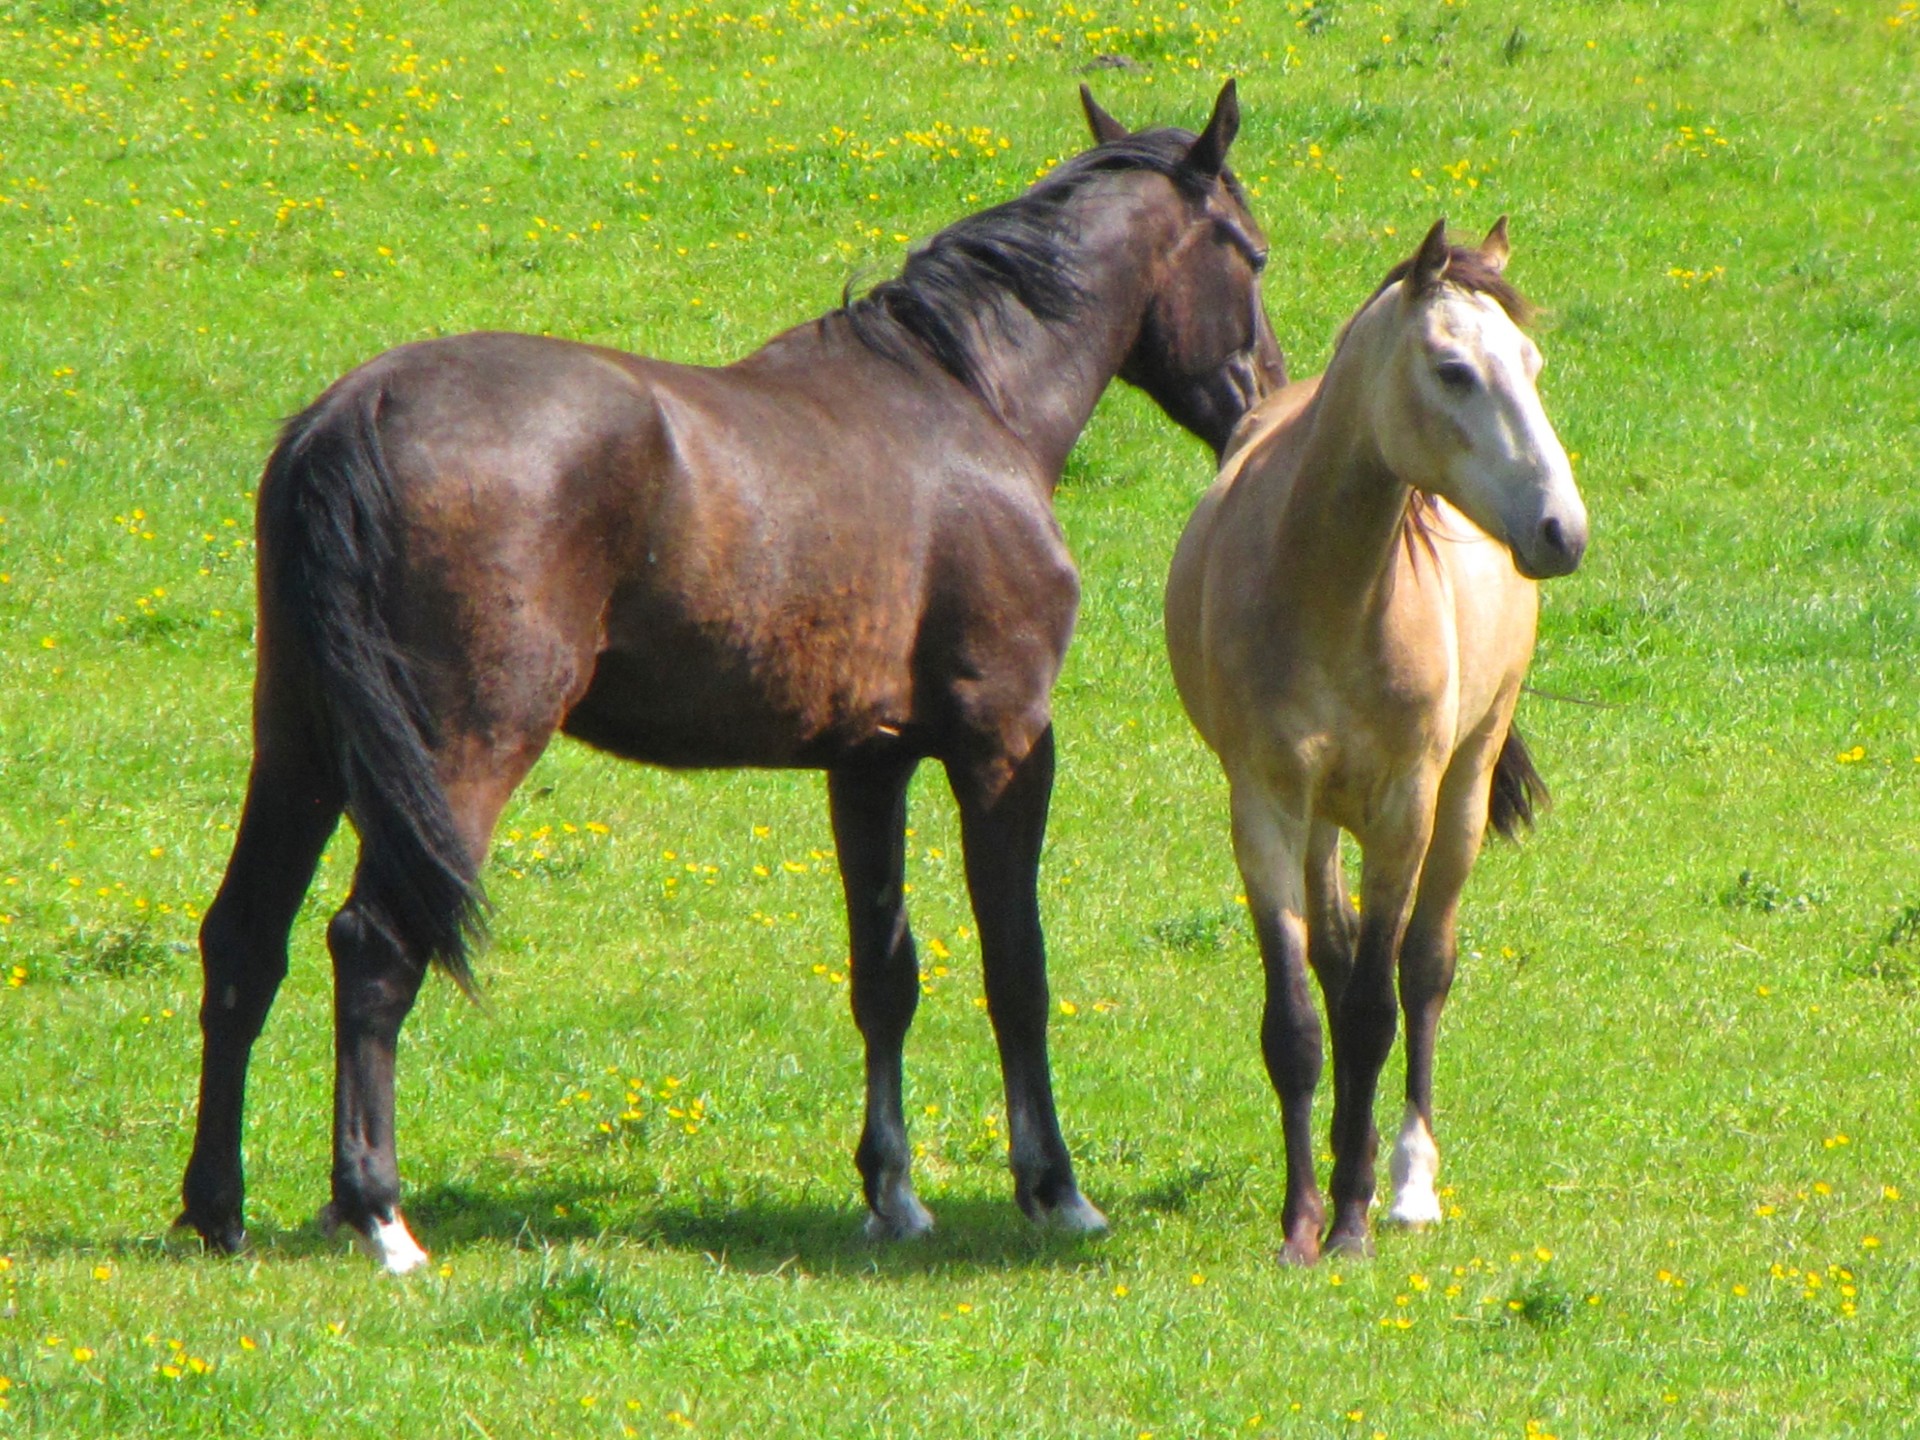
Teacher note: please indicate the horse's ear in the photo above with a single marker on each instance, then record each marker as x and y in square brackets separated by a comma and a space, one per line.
[1106, 129]
[1209, 153]
[1430, 261]
[1495, 249]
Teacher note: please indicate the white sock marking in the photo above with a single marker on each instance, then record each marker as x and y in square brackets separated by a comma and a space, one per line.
[1413, 1166]
[393, 1245]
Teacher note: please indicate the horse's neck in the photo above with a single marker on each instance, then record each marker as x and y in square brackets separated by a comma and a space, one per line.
[1043, 378]
[1346, 512]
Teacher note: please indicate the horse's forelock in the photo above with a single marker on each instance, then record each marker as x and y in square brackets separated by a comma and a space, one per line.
[1471, 271]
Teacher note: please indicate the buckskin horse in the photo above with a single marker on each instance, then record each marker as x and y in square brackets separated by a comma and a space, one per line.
[1350, 615]
[837, 553]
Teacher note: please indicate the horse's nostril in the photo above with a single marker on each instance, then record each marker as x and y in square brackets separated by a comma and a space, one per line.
[1560, 544]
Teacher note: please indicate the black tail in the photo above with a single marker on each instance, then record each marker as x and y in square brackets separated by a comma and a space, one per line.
[327, 538]
[1517, 789]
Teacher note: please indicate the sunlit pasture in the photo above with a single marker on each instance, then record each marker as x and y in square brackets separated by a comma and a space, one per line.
[1677, 1099]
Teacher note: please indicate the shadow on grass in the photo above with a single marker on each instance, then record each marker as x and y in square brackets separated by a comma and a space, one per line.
[969, 1233]
[749, 1232]
[745, 1232]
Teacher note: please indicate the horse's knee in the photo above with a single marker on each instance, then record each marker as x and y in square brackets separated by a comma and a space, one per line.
[1290, 1044]
[886, 991]
[1426, 966]
[1368, 1019]
[1017, 1008]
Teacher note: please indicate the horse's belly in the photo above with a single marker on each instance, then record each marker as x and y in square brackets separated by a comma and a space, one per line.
[718, 716]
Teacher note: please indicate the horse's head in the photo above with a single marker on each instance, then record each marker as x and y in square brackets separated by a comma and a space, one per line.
[1458, 415]
[1205, 351]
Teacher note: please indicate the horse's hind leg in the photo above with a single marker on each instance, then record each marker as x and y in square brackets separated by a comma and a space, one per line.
[869, 805]
[376, 979]
[1426, 975]
[291, 809]
[1003, 822]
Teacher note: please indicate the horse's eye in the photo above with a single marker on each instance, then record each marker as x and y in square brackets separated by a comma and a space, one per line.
[1230, 233]
[1456, 375]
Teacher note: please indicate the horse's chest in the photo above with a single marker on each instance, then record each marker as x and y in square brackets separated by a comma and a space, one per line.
[1374, 728]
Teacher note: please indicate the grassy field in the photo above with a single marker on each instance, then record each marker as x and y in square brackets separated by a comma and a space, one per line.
[1677, 1090]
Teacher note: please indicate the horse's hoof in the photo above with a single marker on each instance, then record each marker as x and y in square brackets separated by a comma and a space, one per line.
[1074, 1215]
[227, 1237]
[392, 1244]
[1354, 1245]
[1303, 1247]
[388, 1242]
[905, 1218]
[1414, 1210]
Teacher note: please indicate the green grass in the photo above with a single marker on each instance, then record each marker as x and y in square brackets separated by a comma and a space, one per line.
[1677, 1078]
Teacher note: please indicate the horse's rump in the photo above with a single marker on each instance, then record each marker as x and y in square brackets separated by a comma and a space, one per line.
[326, 539]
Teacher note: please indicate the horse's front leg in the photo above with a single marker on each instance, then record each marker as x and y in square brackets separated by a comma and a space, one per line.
[1003, 821]
[1366, 1016]
[1426, 975]
[869, 805]
[1269, 842]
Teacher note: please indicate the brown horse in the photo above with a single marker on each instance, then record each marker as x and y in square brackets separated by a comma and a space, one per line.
[838, 553]
[1350, 616]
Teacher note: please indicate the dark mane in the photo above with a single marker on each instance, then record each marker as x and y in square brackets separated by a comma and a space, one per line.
[1022, 254]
